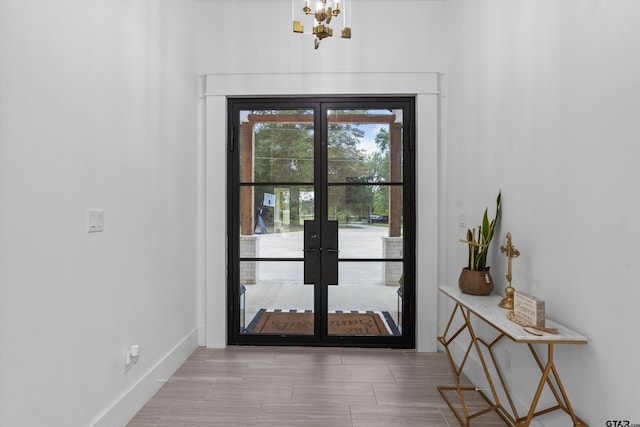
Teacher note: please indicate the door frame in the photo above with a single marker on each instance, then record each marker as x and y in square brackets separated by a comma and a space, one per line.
[321, 183]
[212, 243]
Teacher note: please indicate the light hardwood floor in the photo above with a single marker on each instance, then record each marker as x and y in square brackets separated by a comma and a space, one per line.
[310, 387]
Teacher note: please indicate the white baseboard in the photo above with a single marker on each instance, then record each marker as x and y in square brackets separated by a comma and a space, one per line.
[133, 399]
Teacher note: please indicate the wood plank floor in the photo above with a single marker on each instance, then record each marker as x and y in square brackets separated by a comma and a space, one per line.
[310, 387]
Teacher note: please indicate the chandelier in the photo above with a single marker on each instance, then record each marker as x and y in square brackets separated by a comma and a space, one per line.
[323, 13]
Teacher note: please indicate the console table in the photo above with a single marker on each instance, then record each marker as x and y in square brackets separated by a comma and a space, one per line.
[487, 310]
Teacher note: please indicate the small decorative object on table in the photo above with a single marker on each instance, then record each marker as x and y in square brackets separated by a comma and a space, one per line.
[529, 309]
[511, 252]
[475, 279]
[528, 312]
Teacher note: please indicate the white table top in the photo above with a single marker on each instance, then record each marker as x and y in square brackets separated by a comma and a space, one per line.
[487, 308]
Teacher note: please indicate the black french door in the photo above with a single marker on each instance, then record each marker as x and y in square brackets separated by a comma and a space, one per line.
[321, 221]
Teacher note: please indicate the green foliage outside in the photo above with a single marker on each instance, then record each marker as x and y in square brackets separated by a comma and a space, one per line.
[284, 154]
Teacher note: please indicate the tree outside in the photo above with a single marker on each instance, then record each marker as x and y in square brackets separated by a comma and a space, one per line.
[283, 153]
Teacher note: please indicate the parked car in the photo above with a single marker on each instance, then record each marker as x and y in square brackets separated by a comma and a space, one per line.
[381, 219]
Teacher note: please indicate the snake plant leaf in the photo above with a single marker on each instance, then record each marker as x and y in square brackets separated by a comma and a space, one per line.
[472, 248]
[479, 244]
[486, 228]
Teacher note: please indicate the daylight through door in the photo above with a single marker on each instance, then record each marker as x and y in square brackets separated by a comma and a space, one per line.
[321, 221]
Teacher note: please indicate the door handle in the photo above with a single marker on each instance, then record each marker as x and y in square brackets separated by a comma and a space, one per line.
[330, 262]
[312, 252]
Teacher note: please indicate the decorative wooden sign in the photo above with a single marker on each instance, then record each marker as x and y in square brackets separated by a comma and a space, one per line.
[529, 309]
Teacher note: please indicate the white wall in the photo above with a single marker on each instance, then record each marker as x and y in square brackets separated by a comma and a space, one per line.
[241, 36]
[97, 110]
[250, 49]
[543, 101]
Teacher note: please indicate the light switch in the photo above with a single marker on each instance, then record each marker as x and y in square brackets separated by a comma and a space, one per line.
[462, 220]
[95, 221]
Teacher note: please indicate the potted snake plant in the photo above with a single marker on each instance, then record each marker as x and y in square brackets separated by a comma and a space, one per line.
[476, 279]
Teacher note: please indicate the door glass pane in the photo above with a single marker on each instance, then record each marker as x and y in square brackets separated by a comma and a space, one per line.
[368, 299]
[370, 220]
[275, 300]
[276, 146]
[365, 146]
[271, 210]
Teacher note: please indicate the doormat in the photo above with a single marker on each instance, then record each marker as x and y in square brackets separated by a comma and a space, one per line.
[300, 322]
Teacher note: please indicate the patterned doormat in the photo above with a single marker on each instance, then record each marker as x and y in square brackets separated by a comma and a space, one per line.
[300, 322]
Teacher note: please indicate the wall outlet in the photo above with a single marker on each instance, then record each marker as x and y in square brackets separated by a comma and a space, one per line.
[95, 221]
[462, 220]
[131, 357]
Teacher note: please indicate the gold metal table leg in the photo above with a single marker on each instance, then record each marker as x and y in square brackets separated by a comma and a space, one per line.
[493, 406]
[549, 375]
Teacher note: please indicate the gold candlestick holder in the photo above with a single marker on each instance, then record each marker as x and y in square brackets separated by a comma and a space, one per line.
[511, 252]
